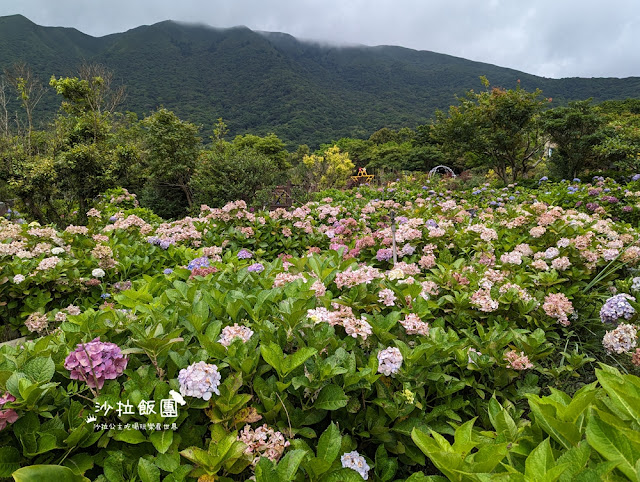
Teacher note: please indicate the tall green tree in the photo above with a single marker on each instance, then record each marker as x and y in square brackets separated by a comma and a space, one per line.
[270, 146]
[227, 175]
[574, 131]
[83, 150]
[173, 147]
[621, 146]
[497, 128]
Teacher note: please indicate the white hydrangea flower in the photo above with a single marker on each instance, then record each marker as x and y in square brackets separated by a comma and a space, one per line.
[17, 279]
[395, 274]
[199, 380]
[57, 250]
[353, 460]
[389, 361]
[98, 273]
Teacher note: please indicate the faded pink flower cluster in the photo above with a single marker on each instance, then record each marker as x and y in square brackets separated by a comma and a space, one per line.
[518, 362]
[482, 300]
[48, 263]
[514, 257]
[95, 362]
[263, 442]
[558, 306]
[36, 322]
[284, 278]
[343, 316]
[622, 339]
[350, 277]
[229, 333]
[429, 288]
[413, 325]
[387, 297]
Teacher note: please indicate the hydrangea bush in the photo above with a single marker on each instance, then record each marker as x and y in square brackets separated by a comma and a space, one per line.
[291, 344]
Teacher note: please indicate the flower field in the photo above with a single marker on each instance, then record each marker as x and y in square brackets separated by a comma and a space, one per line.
[288, 346]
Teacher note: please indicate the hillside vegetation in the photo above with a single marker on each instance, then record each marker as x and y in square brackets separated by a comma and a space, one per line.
[271, 82]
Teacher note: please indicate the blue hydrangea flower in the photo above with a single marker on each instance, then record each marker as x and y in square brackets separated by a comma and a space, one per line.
[256, 268]
[201, 262]
[617, 307]
[635, 177]
[168, 271]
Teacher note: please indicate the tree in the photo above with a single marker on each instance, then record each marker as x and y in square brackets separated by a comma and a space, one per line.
[497, 128]
[84, 150]
[271, 146]
[330, 170]
[232, 174]
[29, 91]
[575, 131]
[173, 147]
[4, 111]
[621, 146]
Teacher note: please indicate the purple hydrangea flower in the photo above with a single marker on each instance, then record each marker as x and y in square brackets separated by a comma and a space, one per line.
[95, 362]
[256, 268]
[165, 243]
[617, 307]
[199, 380]
[635, 177]
[113, 219]
[244, 254]
[384, 254]
[201, 262]
[431, 223]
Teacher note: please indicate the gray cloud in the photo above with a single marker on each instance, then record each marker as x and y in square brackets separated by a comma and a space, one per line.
[570, 38]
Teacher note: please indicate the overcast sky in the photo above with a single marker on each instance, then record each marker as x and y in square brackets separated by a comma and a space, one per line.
[551, 38]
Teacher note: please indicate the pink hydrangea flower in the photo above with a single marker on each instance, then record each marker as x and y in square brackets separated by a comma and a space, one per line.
[95, 362]
[7, 415]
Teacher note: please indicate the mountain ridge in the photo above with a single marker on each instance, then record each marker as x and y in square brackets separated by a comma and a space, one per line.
[261, 82]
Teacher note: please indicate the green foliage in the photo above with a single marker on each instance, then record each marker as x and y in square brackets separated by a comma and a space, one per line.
[223, 176]
[575, 132]
[173, 148]
[262, 83]
[592, 436]
[497, 128]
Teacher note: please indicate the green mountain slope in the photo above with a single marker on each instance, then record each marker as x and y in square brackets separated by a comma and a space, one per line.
[271, 82]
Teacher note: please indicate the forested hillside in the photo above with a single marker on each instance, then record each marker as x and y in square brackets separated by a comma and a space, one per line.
[271, 82]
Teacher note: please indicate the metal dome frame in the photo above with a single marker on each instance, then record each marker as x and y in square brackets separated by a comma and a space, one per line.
[446, 168]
